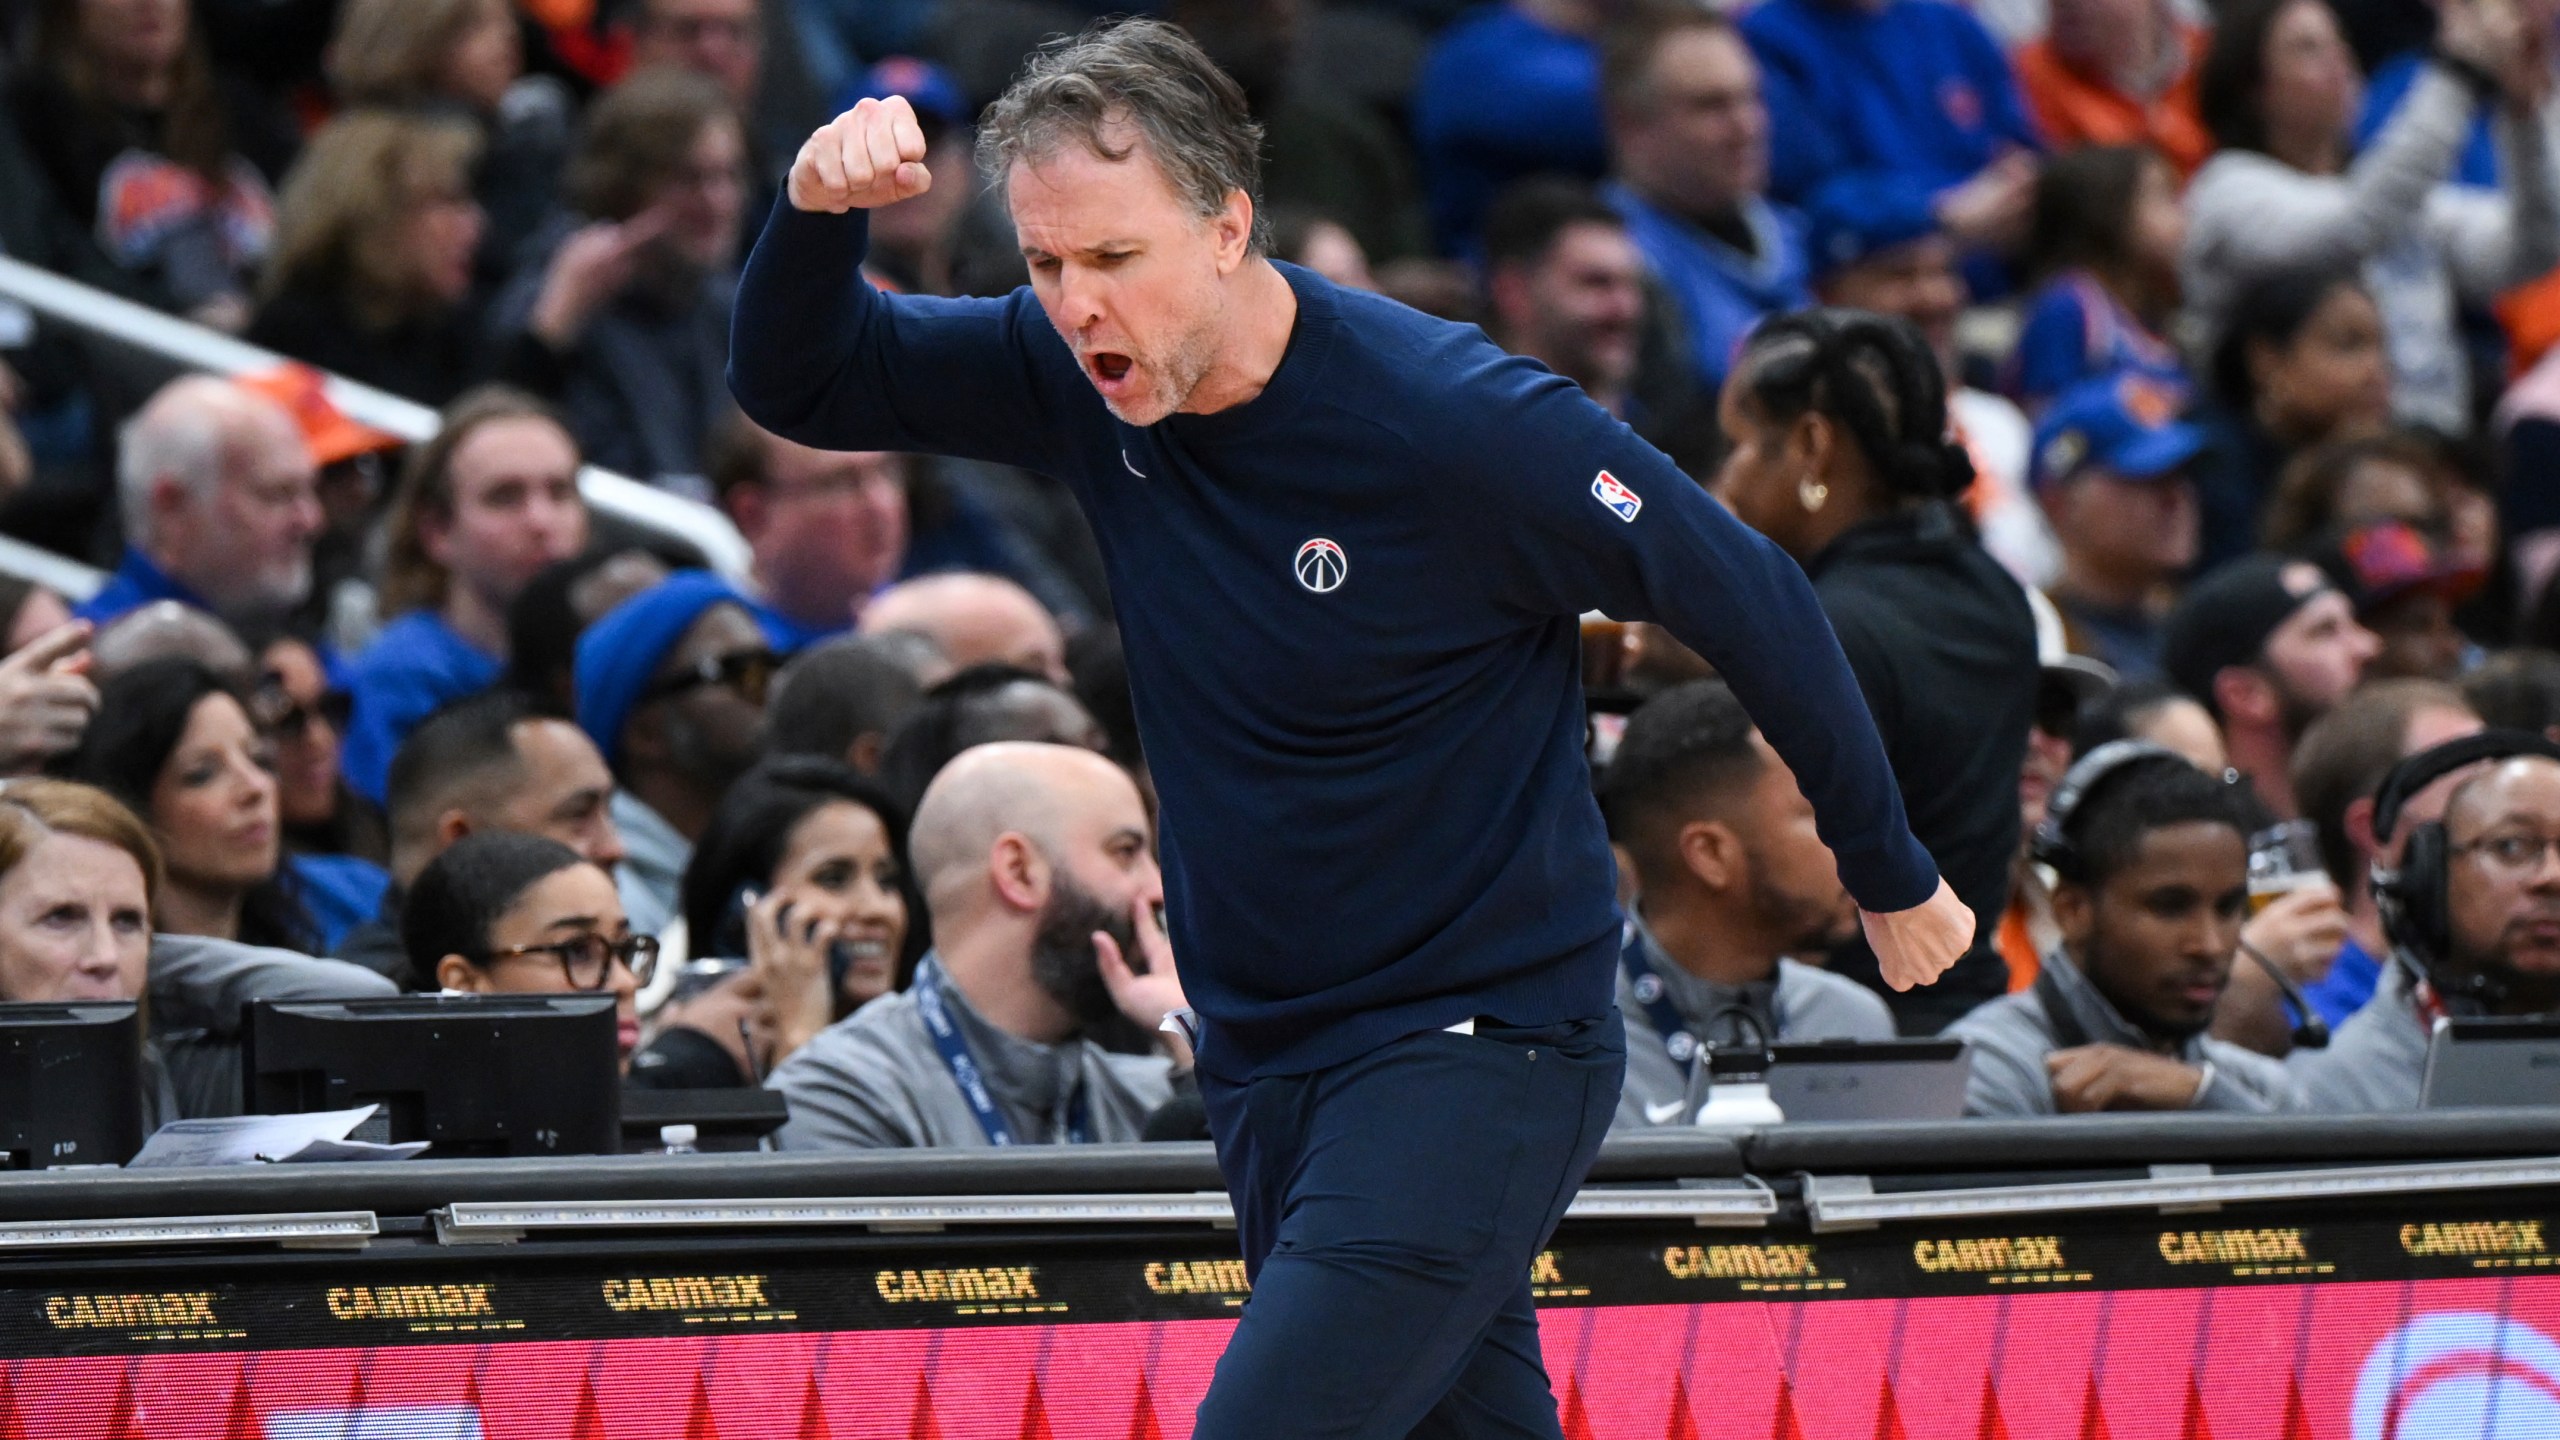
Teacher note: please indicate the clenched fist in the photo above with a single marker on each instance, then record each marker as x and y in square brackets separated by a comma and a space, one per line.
[869, 156]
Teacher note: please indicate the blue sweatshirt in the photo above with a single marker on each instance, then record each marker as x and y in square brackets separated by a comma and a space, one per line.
[1881, 110]
[1351, 608]
[1502, 96]
[415, 667]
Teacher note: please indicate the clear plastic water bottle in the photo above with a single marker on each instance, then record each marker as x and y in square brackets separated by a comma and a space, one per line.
[678, 1140]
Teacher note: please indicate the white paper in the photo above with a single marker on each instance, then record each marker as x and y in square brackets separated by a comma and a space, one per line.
[323, 1152]
[244, 1139]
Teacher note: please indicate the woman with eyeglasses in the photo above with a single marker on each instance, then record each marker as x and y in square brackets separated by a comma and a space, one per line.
[334, 844]
[179, 747]
[507, 914]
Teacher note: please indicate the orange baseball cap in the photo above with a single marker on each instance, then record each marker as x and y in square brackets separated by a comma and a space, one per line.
[303, 392]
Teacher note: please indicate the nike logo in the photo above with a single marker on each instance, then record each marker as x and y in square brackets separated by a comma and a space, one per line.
[1664, 1113]
[1131, 465]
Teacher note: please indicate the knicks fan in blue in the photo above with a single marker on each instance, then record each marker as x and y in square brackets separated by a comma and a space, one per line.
[1349, 545]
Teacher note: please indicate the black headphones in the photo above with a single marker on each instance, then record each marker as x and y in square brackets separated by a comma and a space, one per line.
[2053, 847]
[2086, 776]
[2412, 898]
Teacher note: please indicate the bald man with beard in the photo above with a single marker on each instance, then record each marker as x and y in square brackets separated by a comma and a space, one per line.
[1038, 866]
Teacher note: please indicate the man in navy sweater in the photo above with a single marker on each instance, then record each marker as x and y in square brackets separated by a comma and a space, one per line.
[1349, 546]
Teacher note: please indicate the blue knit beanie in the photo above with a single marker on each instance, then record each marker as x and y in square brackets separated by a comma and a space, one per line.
[621, 651]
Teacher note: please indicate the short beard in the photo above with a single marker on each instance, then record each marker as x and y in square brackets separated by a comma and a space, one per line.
[1183, 367]
[2149, 1024]
[1801, 924]
[1063, 963]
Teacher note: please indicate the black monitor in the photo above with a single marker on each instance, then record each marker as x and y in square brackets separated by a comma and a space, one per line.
[70, 1084]
[474, 1075]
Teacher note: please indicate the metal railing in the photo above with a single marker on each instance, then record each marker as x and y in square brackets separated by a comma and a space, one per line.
[195, 347]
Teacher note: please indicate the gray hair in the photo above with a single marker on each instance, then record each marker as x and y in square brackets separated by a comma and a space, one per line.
[1149, 75]
[178, 435]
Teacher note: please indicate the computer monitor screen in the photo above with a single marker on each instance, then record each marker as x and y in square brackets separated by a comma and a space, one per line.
[2492, 1062]
[1870, 1079]
[70, 1084]
[473, 1075]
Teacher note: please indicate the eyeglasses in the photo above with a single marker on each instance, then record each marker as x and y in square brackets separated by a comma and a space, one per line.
[748, 672]
[2518, 855]
[286, 718]
[586, 961]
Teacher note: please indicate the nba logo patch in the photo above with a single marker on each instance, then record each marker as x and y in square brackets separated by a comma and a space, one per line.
[1622, 502]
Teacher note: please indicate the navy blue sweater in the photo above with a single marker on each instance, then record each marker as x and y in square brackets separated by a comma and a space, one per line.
[1377, 820]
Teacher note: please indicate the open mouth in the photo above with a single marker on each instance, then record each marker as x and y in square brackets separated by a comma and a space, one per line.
[1110, 367]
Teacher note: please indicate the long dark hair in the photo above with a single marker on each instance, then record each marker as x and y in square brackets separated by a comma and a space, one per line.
[194, 130]
[2232, 81]
[2083, 214]
[751, 829]
[2270, 312]
[142, 715]
[1872, 375]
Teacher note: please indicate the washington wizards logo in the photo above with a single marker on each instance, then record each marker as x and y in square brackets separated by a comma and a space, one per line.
[1322, 566]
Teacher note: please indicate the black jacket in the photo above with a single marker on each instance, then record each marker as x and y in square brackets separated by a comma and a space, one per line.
[1945, 648]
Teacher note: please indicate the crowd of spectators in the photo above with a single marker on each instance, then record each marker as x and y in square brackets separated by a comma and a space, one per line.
[2162, 397]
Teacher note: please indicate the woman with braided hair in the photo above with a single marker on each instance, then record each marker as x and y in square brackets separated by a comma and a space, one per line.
[1840, 454]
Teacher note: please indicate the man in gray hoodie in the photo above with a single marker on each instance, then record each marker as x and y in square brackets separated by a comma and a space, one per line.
[1039, 868]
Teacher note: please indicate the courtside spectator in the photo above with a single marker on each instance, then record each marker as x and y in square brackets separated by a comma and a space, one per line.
[1509, 91]
[2068, 686]
[1904, 266]
[628, 295]
[2103, 245]
[492, 762]
[1732, 880]
[1565, 286]
[2302, 364]
[2279, 92]
[1689, 146]
[728, 42]
[510, 914]
[2268, 645]
[78, 878]
[146, 151]
[2338, 486]
[544, 623]
[2118, 72]
[482, 509]
[2336, 772]
[463, 59]
[671, 687]
[2406, 588]
[333, 843]
[219, 511]
[2492, 953]
[2152, 886]
[981, 705]
[1037, 863]
[177, 745]
[842, 699]
[2111, 469]
[975, 620]
[2157, 711]
[376, 239]
[1905, 110]
[1838, 422]
[803, 875]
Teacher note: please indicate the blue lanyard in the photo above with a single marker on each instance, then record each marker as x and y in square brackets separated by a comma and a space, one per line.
[973, 1083]
[1665, 1017]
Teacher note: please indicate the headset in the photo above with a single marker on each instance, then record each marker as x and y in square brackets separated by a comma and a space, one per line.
[2411, 898]
[2091, 773]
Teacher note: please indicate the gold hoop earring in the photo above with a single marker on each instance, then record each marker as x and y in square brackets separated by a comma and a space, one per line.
[1812, 494]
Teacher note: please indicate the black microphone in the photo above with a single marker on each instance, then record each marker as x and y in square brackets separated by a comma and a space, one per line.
[2310, 1032]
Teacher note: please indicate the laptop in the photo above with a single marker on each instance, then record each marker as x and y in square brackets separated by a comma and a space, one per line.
[2498, 1062]
[1870, 1079]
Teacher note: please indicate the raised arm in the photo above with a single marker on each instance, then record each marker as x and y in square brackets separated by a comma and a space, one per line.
[1594, 518]
[818, 356]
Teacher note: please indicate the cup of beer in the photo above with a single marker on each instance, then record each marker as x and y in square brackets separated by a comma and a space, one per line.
[2282, 859]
